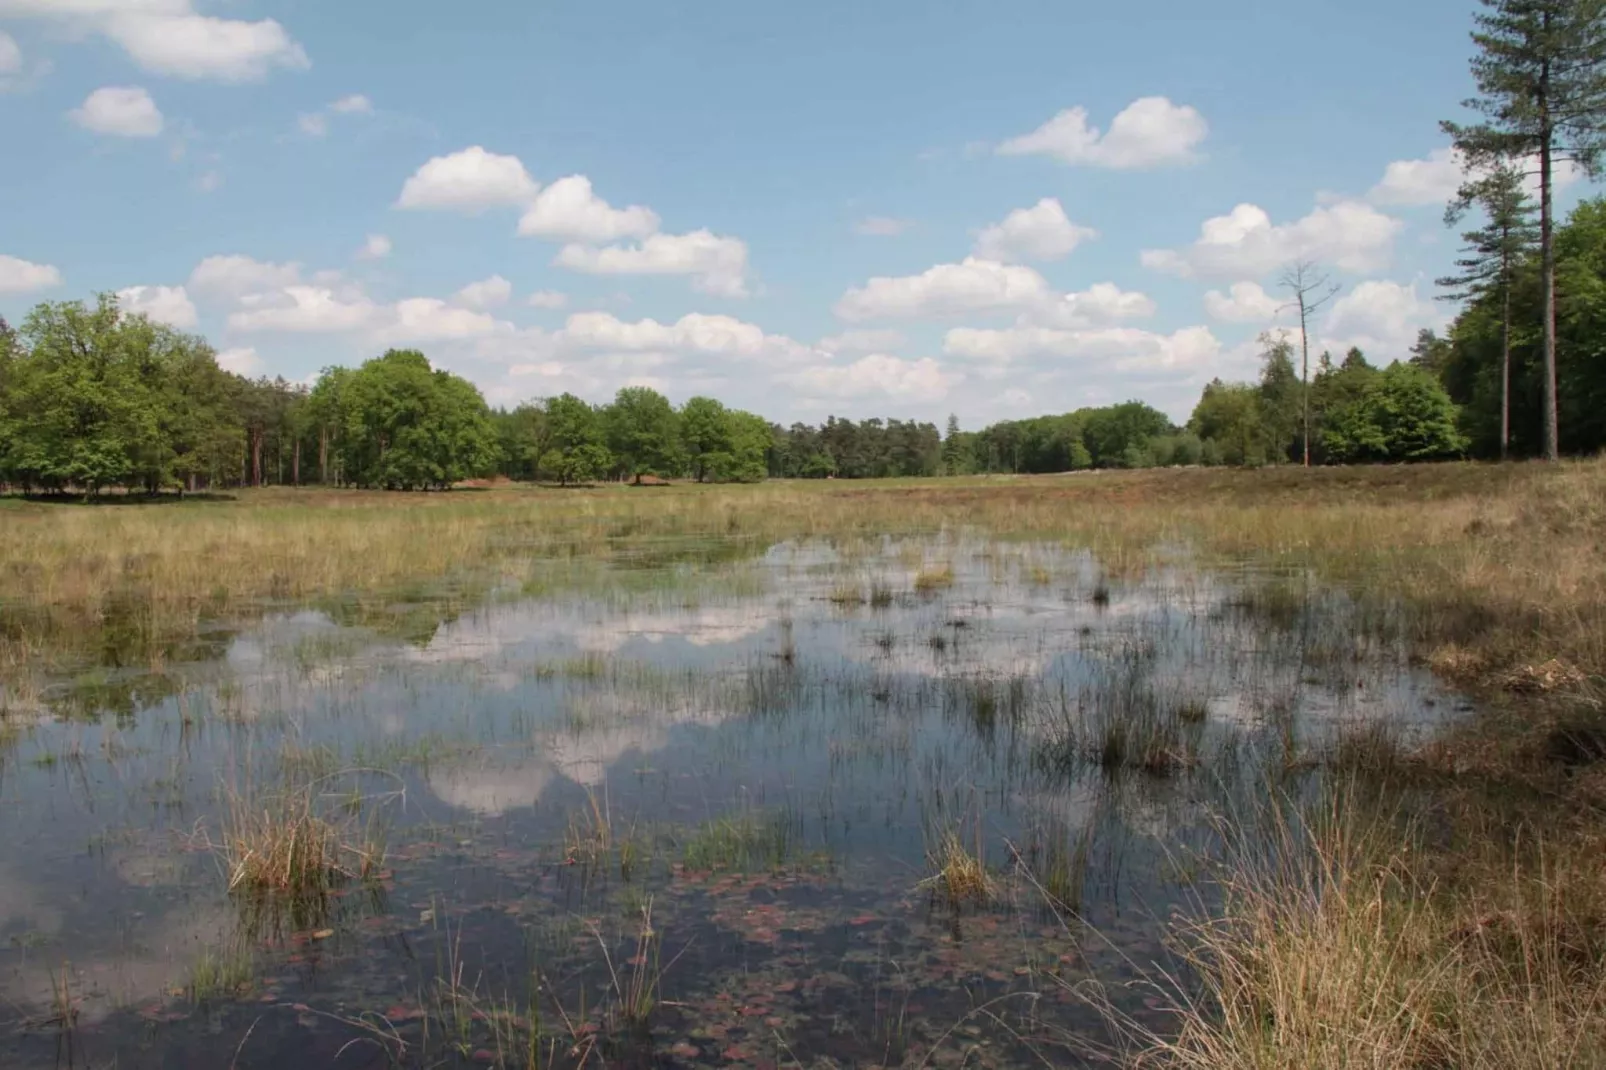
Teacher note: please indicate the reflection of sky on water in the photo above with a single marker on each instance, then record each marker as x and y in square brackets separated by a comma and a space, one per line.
[676, 709]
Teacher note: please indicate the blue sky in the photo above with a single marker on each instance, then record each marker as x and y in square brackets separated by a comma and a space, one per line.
[895, 208]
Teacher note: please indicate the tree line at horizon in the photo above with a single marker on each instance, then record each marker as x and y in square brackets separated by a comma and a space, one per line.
[92, 398]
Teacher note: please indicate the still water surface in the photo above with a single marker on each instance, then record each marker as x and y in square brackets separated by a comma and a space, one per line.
[760, 751]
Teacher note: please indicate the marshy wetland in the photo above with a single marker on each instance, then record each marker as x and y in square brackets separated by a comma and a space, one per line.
[1174, 768]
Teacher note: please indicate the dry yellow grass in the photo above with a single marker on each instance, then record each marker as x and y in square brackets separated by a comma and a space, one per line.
[934, 577]
[1470, 547]
[1331, 951]
[959, 872]
[293, 842]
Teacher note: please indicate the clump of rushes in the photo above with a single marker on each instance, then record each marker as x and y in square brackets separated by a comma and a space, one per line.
[297, 840]
[934, 577]
[959, 872]
[637, 985]
[590, 839]
[742, 843]
[847, 594]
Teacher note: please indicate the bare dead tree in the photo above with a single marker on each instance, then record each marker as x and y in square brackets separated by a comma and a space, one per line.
[1311, 289]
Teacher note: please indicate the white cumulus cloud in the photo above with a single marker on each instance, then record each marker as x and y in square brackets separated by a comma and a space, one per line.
[1349, 235]
[1149, 132]
[468, 181]
[356, 104]
[121, 111]
[946, 290]
[376, 247]
[1099, 304]
[549, 299]
[1109, 349]
[163, 304]
[242, 360]
[169, 37]
[303, 310]
[202, 47]
[428, 319]
[569, 211]
[10, 55]
[1244, 302]
[876, 375]
[976, 287]
[716, 264]
[863, 341]
[696, 332]
[1381, 318]
[486, 293]
[1432, 180]
[316, 124]
[15, 70]
[1435, 178]
[18, 276]
[233, 277]
[1041, 232]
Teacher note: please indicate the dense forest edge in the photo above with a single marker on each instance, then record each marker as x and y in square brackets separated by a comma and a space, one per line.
[93, 398]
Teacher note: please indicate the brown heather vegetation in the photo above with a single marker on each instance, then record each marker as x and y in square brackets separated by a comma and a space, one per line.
[1448, 907]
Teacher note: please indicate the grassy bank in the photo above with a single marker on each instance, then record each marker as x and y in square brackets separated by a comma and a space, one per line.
[1449, 911]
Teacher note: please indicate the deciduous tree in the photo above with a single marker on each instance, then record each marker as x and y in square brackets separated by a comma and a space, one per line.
[643, 432]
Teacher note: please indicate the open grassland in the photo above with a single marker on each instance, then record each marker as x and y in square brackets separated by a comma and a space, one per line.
[1448, 907]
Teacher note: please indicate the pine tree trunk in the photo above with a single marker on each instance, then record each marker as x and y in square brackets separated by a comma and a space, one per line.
[323, 455]
[1505, 375]
[1547, 269]
[295, 464]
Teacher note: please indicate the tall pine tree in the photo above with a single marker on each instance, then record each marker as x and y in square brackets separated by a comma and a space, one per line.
[1492, 255]
[1540, 70]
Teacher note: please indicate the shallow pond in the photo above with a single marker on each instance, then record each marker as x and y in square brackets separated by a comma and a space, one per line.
[897, 803]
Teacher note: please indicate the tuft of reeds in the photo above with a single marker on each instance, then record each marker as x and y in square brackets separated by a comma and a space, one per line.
[588, 840]
[592, 839]
[299, 839]
[221, 973]
[1120, 721]
[934, 577]
[745, 842]
[637, 980]
[959, 870]
[1327, 950]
